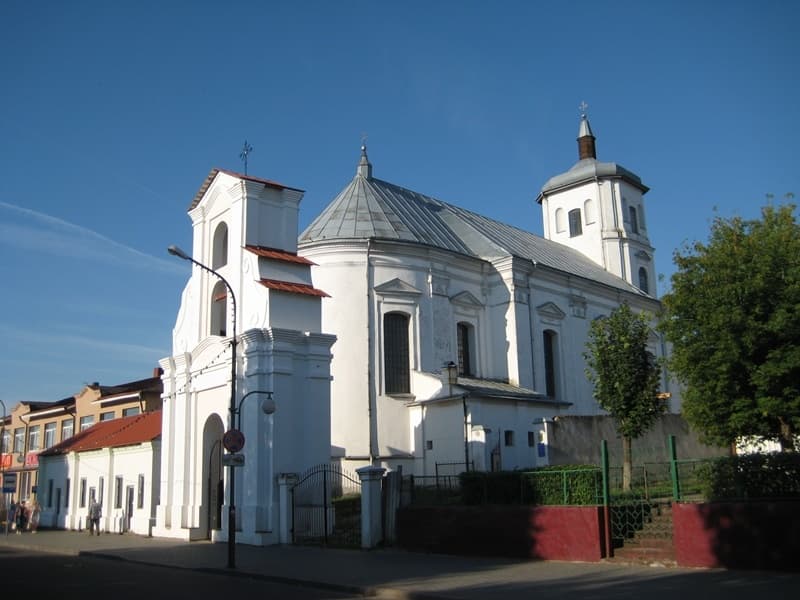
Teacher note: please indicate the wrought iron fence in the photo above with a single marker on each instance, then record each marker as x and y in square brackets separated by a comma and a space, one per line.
[431, 490]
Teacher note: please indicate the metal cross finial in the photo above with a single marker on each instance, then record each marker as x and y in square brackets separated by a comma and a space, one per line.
[583, 106]
[246, 149]
[363, 140]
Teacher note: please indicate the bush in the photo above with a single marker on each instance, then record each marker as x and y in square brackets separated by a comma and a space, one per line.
[752, 476]
[557, 485]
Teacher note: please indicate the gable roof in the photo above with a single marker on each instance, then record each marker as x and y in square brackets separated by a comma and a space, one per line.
[127, 431]
[213, 174]
[151, 384]
[369, 208]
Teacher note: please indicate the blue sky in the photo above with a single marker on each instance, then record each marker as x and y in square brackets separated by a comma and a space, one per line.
[113, 113]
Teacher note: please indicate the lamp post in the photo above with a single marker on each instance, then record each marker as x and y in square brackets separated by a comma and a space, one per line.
[175, 251]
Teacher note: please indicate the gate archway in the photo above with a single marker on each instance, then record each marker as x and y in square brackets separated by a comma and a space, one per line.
[213, 485]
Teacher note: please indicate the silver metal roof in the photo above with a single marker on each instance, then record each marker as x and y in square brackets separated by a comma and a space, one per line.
[369, 208]
[590, 169]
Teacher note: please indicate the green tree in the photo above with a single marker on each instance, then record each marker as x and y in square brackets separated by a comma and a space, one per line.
[625, 376]
[733, 319]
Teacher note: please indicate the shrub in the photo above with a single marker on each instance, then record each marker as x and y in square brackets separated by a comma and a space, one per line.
[555, 485]
[752, 476]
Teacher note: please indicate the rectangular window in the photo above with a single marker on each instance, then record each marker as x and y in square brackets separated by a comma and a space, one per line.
[464, 359]
[6, 444]
[19, 439]
[118, 493]
[575, 228]
[509, 437]
[429, 445]
[33, 437]
[49, 493]
[140, 493]
[82, 499]
[50, 434]
[396, 353]
[66, 494]
[87, 422]
[25, 485]
[106, 416]
[67, 427]
[101, 484]
[129, 412]
[531, 439]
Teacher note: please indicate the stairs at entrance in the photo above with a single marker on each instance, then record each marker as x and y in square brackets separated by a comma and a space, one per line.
[653, 544]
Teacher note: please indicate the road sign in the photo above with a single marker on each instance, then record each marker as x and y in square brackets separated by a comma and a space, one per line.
[233, 460]
[9, 483]
[233, 440]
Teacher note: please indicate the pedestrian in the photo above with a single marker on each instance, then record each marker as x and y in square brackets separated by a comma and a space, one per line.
[36, 513]
[22, 517]
[95, 512]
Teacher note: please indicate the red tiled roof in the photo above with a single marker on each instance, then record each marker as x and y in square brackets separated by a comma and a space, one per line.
[276, 254]
[127, 431]
[293, 288]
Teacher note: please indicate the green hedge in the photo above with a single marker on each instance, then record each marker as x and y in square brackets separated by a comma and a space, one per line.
[751, 476]
[559, 485]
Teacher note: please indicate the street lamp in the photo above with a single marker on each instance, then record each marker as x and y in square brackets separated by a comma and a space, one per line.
[267, 406]
[175, 251]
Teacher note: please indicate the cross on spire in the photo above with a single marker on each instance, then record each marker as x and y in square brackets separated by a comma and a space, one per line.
[583, 107]
[246, 150]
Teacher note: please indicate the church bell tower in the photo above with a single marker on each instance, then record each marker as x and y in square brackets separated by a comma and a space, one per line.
[598, 209]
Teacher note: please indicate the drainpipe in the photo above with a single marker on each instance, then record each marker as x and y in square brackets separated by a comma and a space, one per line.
[466, 433]
[371, 396]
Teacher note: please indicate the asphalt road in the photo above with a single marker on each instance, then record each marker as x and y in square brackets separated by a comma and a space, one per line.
[46, 575]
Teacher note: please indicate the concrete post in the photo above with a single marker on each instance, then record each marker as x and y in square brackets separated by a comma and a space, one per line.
[286, 482]
[371, 523]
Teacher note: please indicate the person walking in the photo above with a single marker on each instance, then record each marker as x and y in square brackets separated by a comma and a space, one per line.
[22, 517]
[36, 513]
[95, 512]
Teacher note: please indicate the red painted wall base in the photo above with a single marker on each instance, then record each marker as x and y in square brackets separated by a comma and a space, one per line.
[742, 535]
[545, 532]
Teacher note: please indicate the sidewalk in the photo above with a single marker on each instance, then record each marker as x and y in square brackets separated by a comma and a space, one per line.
[397, 574]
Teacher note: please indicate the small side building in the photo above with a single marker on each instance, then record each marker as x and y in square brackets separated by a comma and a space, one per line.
[117, 462]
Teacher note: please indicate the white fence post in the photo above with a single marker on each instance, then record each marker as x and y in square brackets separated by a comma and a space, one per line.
[371, 521]
[285, 483]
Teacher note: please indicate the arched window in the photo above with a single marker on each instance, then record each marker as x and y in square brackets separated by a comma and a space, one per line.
[644, 283]
[396, 354]
[561, 224]
[550, 350]
[575, 222]
[219, 309]
[219, 257]
[634, 221]
[588, 211]
[465, 336]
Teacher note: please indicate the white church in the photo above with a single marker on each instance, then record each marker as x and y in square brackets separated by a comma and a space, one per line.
[397, 331]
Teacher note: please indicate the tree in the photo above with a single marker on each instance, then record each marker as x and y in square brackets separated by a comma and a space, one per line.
[733, 319]
[625, 376]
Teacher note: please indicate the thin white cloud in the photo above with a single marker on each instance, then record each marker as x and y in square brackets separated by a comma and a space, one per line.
[27, 338]
[61, 238]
